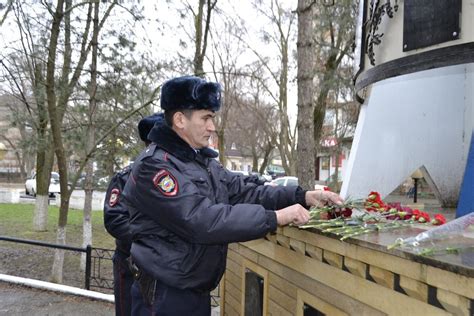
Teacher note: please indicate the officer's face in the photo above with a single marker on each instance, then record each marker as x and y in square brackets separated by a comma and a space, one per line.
[198, 128]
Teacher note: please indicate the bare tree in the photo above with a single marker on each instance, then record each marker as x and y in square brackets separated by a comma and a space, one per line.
[263, 131]
[282, 23]
[226, 51]
[25, 71]
[135, 92]
[88, 183]
[127, 78]
[306, 145]
[345, 112]
[250, 131]
[202, 22]
[24, 144]
[58, 94]
[8, 7]
[334, 40]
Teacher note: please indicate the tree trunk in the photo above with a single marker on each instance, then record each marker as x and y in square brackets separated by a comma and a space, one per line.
[40, 217]
[44, 162]
[201, 39]
[266, 158]
[284, 135]
[320, 109]
[198, 58]
[57, 270]
[305, 54]
[110, 163]
[254, 159]
[86, 222]
[89, 185]
[44, 155]
[221, 146]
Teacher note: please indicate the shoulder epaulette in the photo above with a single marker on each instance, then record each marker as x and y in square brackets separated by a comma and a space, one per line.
[125, 170]
[148, 152]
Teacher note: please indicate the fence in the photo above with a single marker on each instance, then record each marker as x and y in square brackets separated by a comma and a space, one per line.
[95, 258]
[87, 250]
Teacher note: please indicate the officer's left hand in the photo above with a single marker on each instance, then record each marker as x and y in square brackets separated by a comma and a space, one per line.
[320, 197]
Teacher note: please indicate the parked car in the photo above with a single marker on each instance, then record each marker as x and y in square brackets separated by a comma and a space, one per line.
[30, 185]
[287, 181]
[275, 171]
[264, 178]
[284, 181]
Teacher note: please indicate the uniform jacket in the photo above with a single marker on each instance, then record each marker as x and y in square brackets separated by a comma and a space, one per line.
[185, 208]
[115, 213]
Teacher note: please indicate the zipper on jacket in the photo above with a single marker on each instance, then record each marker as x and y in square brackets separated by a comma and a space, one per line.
[214, 193]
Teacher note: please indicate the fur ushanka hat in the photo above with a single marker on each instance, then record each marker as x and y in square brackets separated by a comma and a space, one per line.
[190, 93]
[146, 124]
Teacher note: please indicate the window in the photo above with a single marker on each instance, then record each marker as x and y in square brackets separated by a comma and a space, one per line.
[310, 305]
[280, 181]
[324, 163]
[254, 289]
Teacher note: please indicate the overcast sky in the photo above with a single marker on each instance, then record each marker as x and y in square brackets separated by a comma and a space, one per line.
[160, 33]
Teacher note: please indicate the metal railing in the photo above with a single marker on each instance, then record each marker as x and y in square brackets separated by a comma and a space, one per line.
[98, 256]
[87, 250]
[94, 264]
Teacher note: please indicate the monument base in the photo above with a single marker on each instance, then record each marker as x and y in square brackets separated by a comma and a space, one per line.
[308, 270]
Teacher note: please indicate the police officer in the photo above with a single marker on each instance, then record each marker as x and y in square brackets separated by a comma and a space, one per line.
[185, 207]
[116, 222]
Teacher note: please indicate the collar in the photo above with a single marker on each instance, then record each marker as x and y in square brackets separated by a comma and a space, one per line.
[167, 139]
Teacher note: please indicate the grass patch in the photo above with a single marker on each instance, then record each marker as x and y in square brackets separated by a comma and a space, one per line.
[17, 221]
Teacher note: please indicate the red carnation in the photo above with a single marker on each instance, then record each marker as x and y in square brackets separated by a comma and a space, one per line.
[438, 219]
[424, 217]
[374, 196]
[345, 213]
[416, 214]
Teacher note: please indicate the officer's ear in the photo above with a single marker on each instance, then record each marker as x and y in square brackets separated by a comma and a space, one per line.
[179, 120]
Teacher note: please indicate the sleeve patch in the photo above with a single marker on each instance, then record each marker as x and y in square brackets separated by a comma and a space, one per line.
[114, 197]
[166, 183]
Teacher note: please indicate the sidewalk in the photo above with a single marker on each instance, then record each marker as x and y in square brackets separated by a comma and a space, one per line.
[17, 300]
[7, 185]
[23, 296]
[15, 193]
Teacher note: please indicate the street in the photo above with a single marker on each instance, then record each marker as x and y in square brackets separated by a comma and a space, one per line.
[15, 193]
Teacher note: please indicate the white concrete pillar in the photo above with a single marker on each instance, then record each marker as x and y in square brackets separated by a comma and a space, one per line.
[424, 119]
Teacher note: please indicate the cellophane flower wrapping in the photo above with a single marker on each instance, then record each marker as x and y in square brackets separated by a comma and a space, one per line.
[445, 238]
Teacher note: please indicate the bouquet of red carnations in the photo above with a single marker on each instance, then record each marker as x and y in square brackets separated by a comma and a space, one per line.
[358, 217]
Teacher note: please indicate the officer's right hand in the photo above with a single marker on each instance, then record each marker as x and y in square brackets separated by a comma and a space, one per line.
[294, 214]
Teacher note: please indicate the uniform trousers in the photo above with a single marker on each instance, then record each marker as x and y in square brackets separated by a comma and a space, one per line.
[123, 280]
[169, 301]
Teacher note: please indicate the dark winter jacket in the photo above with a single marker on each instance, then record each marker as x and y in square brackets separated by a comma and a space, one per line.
[185, 208]
[115, 213]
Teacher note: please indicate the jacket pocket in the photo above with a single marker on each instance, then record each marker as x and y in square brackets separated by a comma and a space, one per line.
[203, 186]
